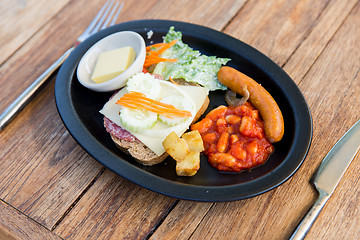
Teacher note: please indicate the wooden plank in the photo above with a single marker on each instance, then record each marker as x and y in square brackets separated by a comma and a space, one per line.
[249, 219]
[335, 107]
[46, 179]
[322, 31]
[21, 20]
[114, 208]
[214, 14]
[15, 225]
[43, 170]
[182, 220]
[276, 28]
[44, 48]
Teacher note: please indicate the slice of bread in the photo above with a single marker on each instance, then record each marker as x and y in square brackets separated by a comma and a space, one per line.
[142, 153]
[139, 151]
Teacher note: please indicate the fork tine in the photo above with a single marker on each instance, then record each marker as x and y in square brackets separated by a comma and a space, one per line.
[110, 16]
[96, 19]
[117, 14]
[102, 19]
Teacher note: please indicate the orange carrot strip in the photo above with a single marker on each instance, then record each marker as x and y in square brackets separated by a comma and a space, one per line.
[171, 113]
[138, 100]
[162, 46]
[167, 46]
[155, 105]
[141, 96]
[154, 59]
[152, 56]
[136, 106]
[171, 80]
[154, 46]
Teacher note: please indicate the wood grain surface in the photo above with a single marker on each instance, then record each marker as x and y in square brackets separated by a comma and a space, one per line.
[50, 188]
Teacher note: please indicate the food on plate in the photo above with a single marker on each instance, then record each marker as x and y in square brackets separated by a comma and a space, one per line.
[175, 59]
[234, 138]
[141, 115]
[259, 97]
[176, 147]
[150, 116]
[189, 166]
[194, 141]
[185, 150]
[112, 63]
[154, 51]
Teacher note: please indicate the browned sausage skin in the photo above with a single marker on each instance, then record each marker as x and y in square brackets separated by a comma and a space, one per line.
[259, 97]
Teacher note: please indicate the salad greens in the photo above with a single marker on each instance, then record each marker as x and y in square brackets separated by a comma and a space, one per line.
[192, 66]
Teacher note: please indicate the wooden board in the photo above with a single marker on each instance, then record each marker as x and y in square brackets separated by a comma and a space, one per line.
[21, 21]
[50, 188]
[15, 225]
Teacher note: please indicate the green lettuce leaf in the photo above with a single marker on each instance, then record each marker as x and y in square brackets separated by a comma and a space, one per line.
[192, 66]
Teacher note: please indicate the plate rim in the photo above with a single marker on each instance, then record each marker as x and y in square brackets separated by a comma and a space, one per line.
[157, 183]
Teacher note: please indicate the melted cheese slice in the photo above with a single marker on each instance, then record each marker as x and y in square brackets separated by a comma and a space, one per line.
[154, 137]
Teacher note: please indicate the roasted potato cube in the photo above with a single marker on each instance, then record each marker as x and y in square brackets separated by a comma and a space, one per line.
[176, 147]
[190, 165]
[194, 141]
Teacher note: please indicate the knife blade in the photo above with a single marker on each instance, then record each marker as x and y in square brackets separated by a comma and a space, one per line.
[328, 175]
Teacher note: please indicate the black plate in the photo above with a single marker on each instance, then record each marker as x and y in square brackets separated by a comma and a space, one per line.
[79, 110]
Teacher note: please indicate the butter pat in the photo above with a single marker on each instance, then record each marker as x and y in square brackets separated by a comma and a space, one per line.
[112, 63]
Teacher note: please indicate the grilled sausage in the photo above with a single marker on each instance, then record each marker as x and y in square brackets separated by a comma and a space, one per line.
[259, 97]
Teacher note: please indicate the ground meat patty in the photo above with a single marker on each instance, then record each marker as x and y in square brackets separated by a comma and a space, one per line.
[118, 132]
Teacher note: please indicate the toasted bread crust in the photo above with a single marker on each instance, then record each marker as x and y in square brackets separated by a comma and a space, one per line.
[139, 151]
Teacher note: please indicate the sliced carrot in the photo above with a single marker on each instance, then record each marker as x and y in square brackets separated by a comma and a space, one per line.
[171, 80]
[137, 100]
[142, 99]
[155, 59]
[166, 46]
[154, 51]
[154, 46]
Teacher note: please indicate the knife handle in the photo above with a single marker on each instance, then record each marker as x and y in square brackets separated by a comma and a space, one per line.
[310, 217]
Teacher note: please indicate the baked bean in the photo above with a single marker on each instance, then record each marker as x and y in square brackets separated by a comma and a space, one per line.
[233, 119]
[223, 142]
[230, 129]
[252, 147]
[224, 159]
[203, 125]
[209, 137]
[217, 113]
[238, 151]
[246, 126]
[221, 122]
[234, 138]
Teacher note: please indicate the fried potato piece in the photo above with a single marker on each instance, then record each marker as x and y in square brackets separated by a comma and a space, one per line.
[186, 151]
[190, 165]
[194, 140]
[176, 147]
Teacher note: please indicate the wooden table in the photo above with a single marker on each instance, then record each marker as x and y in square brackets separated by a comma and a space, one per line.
[50, 188]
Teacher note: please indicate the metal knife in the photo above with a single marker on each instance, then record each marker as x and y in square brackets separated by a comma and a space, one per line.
[328, 175]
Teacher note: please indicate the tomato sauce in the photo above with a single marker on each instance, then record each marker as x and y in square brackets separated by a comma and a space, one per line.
[234, 138]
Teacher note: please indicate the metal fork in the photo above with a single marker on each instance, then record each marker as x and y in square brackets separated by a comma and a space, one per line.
[106, 17]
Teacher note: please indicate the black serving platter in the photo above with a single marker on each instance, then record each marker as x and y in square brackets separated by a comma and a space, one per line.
[79, 109]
